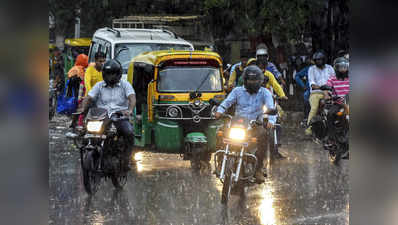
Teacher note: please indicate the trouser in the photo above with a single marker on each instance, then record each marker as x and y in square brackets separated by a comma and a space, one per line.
[307, 108]
[314, 103]
[271, 138]
[125, 129]
[262, 146]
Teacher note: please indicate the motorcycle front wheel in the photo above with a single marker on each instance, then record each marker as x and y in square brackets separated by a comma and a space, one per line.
[90, 177]
[228, 182]
[52, 108]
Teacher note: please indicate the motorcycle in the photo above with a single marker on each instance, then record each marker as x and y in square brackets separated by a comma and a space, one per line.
[52, 95]
[101, 150]
[278, 127]
[235, 165]
[331, 126]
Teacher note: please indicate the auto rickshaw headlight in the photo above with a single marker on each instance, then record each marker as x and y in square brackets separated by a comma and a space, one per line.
[94, 126]
[237, 133]
[196, 103]
[172, 111]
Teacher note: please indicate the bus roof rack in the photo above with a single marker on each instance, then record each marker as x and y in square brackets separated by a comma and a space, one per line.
[171, 33]
[116, 32]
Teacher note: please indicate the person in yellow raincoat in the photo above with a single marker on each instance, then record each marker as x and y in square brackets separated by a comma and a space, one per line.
[94, 72]
[271, 81]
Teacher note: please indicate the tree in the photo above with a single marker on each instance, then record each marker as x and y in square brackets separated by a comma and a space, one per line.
[261, 18]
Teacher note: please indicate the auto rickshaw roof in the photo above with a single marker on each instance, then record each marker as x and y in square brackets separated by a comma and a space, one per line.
[156, 57]
[78, 41]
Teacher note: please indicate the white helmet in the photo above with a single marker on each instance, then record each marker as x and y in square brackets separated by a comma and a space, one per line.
[261, 51]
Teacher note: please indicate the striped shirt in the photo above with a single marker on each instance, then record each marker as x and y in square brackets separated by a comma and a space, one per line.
[341, 87]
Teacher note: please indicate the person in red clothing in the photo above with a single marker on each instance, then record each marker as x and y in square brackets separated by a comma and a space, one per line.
[340, 82]
[76, 81]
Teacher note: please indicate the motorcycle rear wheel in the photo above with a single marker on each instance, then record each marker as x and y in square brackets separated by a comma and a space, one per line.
[334, 157]
[119, 180]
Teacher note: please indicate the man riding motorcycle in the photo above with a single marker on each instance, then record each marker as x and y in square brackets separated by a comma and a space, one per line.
[270, 82]
[114, 95]
[263, 62]
[318, 76]
[250, 100]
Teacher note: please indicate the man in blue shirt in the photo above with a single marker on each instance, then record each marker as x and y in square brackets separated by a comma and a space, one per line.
[250, 100]
[300, 77]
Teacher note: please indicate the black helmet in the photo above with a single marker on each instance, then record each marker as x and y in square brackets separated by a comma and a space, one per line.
[341, 65]
[253, 77]
[319, 59]
[111, 72]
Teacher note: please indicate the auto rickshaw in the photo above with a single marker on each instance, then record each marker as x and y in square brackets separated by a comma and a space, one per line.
[74, 47]
[173, 113]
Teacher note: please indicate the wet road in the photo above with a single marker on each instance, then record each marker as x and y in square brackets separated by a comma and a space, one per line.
[302, 189]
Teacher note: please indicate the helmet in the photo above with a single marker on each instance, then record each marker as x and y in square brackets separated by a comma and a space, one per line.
[319, 58]
[261, 51]
[111, 72]
[253, 77]
[341, 65]
[262, 57]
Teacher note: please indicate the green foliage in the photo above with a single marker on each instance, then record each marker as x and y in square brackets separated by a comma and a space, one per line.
[286, 19]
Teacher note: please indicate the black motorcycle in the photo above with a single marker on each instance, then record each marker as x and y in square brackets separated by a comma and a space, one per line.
[102, 150]
[52, 95]
[331, 126]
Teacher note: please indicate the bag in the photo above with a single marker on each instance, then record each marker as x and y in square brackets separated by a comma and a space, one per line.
[65, 104]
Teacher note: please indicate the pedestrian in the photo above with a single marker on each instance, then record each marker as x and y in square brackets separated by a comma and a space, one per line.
[237, 70]
[58, 69]
[93, 73]
[302, 80]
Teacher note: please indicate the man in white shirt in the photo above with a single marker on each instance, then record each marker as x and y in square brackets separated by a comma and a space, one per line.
[318, 76]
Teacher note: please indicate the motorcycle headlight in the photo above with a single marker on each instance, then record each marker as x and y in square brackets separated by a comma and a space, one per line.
[265, 109]
[237, 134]
[94, 126]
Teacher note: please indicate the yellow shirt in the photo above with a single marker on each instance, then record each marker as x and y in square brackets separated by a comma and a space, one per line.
[91, 77]
[232, 78]
[274, 83]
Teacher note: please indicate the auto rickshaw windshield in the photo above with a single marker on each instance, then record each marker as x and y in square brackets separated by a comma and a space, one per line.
[187, 79]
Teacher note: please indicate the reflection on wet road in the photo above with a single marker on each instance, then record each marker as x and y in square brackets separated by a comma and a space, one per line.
[162, 189]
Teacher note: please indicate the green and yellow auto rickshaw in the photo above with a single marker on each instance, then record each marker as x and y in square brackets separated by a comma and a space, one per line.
[173, 113]
[74, 47]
